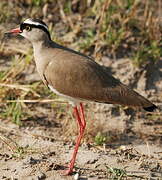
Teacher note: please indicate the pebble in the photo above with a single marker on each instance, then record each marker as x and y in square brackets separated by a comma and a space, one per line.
[76, 176]
[41, 176]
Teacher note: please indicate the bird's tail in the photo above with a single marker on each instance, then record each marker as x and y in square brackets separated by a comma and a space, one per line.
[150, 108]
[130, 97]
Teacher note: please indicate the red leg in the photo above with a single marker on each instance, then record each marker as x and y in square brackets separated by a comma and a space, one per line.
[82, 115]
[82, 124]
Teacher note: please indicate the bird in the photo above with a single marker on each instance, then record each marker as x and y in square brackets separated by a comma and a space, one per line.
[76, 77]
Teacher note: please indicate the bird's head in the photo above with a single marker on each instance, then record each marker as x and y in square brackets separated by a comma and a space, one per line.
[32, 29]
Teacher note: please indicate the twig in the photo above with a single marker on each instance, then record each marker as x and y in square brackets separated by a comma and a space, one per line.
[34, 101]
[15, 86]
[4, 141]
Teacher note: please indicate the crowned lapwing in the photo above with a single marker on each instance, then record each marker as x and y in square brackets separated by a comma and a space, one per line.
[76, 77]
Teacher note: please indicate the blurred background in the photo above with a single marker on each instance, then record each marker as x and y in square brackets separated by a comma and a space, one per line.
[125, 36]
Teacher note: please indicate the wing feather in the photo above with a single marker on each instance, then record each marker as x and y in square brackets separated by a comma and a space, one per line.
[80, 77]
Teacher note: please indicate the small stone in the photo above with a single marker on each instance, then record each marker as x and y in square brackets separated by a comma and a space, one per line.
[30, 160]
[76, 176]
[123, 148]
[41, 176]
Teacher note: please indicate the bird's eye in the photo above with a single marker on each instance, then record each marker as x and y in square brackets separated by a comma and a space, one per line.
[28, 28]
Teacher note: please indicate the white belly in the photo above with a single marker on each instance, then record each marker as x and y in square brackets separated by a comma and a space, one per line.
[71, 100]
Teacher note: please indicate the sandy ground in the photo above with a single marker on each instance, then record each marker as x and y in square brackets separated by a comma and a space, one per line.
[44, 157]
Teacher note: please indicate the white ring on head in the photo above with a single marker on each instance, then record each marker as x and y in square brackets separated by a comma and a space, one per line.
[29, 21]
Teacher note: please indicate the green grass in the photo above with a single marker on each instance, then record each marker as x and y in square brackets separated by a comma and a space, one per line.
[14, 110]
[120, 173]
[100, 139]
[116, 173]
[146, 53]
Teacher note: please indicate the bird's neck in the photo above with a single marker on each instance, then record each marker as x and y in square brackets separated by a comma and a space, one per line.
[39, 45]
[40, 56]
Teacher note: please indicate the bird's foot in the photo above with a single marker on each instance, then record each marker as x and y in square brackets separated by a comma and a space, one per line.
[67, 172]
